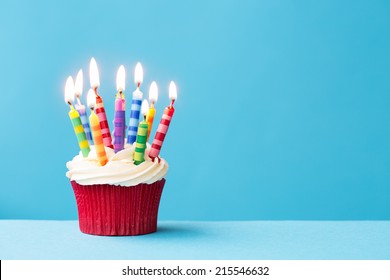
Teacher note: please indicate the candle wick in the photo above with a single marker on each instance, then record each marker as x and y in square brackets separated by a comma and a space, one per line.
[95, 90]
[138, 84]
[172, 101]
[78, 100]
[70, 103]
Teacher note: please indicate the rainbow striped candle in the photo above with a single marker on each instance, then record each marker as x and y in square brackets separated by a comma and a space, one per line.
[99, 108]
[75, 118]
[78, 88]
[153, 95]
[140, 144]
[135, 106]
[164, 124]
[96, 131]
[120, 107]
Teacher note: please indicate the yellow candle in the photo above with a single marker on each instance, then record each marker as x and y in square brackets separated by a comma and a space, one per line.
[150, 118]
[96, 131]
[153, 95]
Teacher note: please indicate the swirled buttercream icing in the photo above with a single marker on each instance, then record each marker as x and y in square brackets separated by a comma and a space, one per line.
[119, 170]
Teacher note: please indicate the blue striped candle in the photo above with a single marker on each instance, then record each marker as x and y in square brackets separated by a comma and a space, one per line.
[134, 116]
[80, 108]
[84, 120]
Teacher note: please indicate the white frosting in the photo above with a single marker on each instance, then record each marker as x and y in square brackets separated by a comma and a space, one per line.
[119, 170]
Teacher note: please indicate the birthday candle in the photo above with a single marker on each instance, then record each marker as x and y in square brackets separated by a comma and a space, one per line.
[140, 144]
[153, 95]
[135, 105]
[75, 118]
[96, 131]
[78, 88]
[120, 107]
[99, 107]
[164, 123]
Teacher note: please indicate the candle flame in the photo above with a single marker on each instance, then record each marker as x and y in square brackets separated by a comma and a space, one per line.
[153, 92]
[120, 79]
[93, 74]
[138, 74]
[172, 91]
[78, 85]
[69, 90]
[91, 99]
[144, 107]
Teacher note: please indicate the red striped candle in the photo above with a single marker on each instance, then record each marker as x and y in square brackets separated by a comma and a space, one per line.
[164, 124]
[101, 113]
[99, 108]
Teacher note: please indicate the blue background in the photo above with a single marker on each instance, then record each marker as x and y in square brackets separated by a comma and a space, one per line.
[282, 110]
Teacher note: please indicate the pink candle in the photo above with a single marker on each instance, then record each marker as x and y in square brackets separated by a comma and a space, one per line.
[164, 123]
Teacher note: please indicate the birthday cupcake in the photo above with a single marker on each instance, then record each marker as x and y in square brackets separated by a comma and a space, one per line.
[119, 198]
[117, 185]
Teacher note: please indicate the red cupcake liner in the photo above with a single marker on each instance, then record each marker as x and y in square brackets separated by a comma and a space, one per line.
[115, 210]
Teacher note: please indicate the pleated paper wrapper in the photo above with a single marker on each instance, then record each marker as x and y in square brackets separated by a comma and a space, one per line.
[115, 210]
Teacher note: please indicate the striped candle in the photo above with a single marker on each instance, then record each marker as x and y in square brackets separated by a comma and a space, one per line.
[119, 115]
[84, 120]
[94, 80]
[79, 130]
[164, 124]
[119, 123]
[140, 144]
[98, 138]
[75, 118]
[134, 116]
[96, 130]
[161, 132]
[135, 105]
[105, 129]
[78, 90]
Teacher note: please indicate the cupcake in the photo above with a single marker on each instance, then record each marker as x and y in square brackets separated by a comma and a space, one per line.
[117, 185]
[119, 198]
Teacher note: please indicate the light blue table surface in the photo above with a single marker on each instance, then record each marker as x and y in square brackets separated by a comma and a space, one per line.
[21, 239]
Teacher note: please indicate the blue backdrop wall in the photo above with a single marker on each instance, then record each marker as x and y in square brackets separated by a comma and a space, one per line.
[282, 110]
